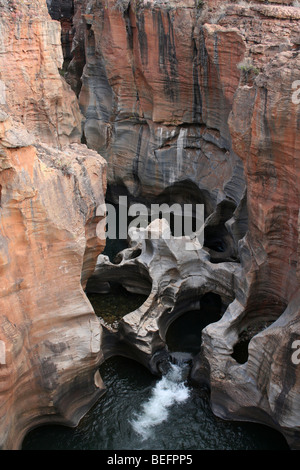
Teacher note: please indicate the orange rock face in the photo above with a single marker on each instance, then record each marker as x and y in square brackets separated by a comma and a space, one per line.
[269, 144]
[48, 329]
[192, 98]
[265, 128]
[32, 88]
[50, 338]
[174, 94]
[223, 49]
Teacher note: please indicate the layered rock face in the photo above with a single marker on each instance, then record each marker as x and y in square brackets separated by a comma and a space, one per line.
[48, 250]
[189, 102]
[265, 129]
[141, 97]
[30, 59]
[50, 339]
[180, 99]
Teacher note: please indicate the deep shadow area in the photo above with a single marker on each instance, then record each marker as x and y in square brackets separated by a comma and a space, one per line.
[240, 351]
[185, 333]
[181, 204]
[214, 238]
[113, 248]
[186, 192]
[189, 425]
[114, 243]
[217, 239]
[187, 196]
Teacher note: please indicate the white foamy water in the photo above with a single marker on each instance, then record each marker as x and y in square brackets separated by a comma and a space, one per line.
[170, 390]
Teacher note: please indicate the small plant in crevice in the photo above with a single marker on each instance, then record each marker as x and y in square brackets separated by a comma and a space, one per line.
[199, 4]
[248, 70]
[63, 165]
[247, 66]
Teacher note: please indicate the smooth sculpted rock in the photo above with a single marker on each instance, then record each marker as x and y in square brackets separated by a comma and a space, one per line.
[50, 338]
[175, 273]
[155, 102]
[189, 102]
[264, 126]
[225, 132]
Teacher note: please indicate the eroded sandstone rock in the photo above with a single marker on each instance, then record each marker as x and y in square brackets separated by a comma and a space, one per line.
[171, 271]
[32, 88]
[50, 337]
[242, 59]
[151, 106]
[264, 129]
[185, 103]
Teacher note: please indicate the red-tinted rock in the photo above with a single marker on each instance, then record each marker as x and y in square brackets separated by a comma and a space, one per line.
[50, 336]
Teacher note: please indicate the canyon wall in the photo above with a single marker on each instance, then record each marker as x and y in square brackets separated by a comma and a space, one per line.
[192, 101]
[188, 101]
[264, 125]
[50, 188]
[32, 87]
[145, 113]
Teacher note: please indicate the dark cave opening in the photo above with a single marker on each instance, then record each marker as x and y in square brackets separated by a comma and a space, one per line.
[240, 351]
[217, 239]
[183, 205]
[186, 208]
[186, 192]
[116, 236]
[241, 348]
[214, 238]
[113, 249]
[190, 317]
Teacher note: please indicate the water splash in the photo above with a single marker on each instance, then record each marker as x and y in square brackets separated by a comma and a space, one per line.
[171, 389]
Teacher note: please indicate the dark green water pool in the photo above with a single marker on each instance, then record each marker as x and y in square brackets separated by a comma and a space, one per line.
[143, 412]
[113, 306]
[140, 411]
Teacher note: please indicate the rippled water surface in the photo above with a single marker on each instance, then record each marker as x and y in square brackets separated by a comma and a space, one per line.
[140, 411]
